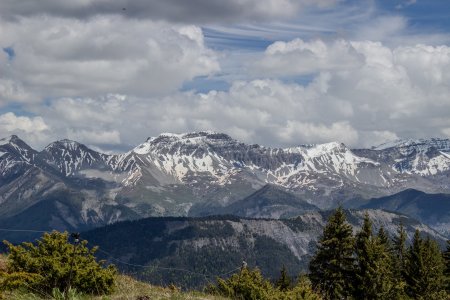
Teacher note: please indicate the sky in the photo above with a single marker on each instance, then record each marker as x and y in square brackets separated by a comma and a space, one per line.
[279, 73]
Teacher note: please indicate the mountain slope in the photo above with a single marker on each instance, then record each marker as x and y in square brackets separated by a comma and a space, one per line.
[270, 201]
[431, 209]
[215, 245]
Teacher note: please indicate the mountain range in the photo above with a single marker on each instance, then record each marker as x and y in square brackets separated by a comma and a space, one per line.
[68, 186]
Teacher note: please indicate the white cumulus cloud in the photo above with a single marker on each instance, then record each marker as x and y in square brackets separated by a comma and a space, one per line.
[57, 57]
[31, 129]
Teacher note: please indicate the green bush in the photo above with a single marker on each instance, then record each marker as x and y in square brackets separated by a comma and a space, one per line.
[301, 291]
[251, 285]
[246, 284]
[54, 263]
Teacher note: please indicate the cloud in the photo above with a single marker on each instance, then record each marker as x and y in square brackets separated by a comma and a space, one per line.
[10, 122]
[32, 129]
[298, 57]
[319, 133]
[446, 132]
[392, 93]
[382, 28]
[376, 137]
[193, 11]
[57, 57]
[263, 111]
[405, 88]
[95, 121]
[405, 4]
[13, 91]
[112, 74]
[93, 136]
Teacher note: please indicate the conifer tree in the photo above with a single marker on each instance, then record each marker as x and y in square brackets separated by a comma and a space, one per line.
[384, 238]
[414, 265]
[399, 248]
[434, 268]
[374, 277]
[365, 233]
[399, 262]
[361, 244]
[446, 256]
[284, 282]
[332, 267]
[425, 269]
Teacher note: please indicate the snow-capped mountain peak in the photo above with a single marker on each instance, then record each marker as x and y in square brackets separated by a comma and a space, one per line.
[70, 156]
[17, 148]
[195, 143]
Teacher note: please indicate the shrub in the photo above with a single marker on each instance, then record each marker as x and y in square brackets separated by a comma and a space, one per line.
[246, 284]
[54, 263]
[301, 291]
[251, 285]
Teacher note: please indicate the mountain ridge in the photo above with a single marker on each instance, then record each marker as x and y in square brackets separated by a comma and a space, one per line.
[219, 243]
[176, 174]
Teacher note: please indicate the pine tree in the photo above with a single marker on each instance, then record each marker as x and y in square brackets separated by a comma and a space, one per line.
[284, 282]
[365, 233]
[434, 268]
[374, 277]
[383, 237]
[362, 256]
[399, 245]
[332, 267]
[399, 261]
[424, 272]
[414, 265]
[446, 256]
[361, 245]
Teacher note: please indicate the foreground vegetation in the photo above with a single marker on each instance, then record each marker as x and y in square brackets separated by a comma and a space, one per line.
[364, 265]
[126, 288]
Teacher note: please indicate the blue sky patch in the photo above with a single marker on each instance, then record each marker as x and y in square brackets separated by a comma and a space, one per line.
[10, 51]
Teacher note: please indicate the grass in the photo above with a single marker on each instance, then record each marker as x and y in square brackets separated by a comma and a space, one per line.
[127, 288]
[130, 289]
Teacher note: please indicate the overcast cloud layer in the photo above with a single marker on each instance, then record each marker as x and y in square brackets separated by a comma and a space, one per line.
[110, 75]
[192, 11]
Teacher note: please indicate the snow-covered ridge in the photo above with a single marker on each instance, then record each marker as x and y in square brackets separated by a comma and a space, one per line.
[69, 156]
[189, 156]
[420, 144]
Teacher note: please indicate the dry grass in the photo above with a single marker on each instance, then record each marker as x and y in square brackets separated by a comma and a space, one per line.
[127, 289]
[131, 289]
